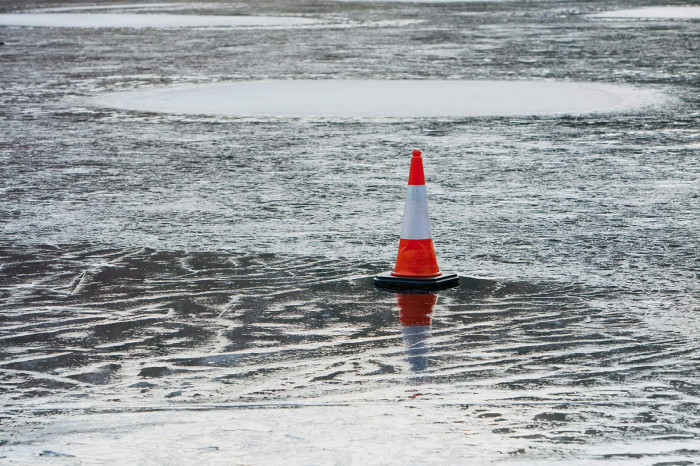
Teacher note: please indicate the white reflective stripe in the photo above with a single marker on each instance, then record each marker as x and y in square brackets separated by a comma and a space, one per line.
[416, 192]
[416, 220]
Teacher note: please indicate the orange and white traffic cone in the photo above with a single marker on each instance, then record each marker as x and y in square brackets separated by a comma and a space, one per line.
[415, 311]
[416, 264]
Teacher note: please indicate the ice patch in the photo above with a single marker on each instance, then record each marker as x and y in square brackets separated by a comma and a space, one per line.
[116, 6]
[127, 20]
[270, 435]
[653, 12]
[422, 1]
[384, 98]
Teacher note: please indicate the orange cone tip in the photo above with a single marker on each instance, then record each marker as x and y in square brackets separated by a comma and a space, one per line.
[416, 263]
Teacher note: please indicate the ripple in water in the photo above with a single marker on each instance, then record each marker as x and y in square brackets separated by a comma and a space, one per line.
[249, 330]
[97, 331]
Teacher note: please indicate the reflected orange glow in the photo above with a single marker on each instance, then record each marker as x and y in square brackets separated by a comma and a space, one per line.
[415, 311]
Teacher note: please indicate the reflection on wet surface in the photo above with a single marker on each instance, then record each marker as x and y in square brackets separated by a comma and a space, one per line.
[205, 282]
[98, 330]
[415, 310]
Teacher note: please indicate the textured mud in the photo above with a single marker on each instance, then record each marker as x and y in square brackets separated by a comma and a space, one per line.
[202, 282]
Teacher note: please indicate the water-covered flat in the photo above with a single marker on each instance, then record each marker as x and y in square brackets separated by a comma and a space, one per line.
[182, 285]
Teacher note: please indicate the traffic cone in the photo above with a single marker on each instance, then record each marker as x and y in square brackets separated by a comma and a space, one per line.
[414, 313]
[416, 264]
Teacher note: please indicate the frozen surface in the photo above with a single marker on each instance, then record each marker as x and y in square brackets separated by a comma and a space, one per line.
[126, 20]
[195, 288]
[654, 12]
[117, 6]
[372, 98]
[389, 434]
[427, 2]
[365, 433]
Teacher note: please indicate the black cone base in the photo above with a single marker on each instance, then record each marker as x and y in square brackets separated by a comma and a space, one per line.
[389, 281]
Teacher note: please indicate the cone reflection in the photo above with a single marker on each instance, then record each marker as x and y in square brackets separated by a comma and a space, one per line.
[415, 311]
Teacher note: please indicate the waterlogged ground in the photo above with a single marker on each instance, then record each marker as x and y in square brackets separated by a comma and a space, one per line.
[195, 288]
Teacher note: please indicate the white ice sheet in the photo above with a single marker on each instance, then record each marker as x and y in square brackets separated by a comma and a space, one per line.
[127, 20]
[654, 12]
[385, 98]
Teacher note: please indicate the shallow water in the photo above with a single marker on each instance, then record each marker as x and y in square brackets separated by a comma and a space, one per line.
[196, 287]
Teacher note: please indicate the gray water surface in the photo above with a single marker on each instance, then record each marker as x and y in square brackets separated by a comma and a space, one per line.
[196, 288]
